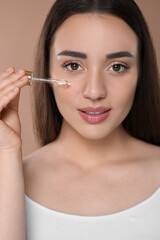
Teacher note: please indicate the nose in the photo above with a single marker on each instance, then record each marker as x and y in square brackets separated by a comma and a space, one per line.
[94, 88]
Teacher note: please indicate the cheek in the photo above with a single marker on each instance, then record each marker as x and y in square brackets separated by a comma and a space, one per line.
[64, 98]
[68, 95]
[125, 96]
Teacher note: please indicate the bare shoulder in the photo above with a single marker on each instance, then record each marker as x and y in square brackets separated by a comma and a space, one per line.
[30, 164]
[148, 150]
[38, 169]
[40, 160]
[152, 152]
[30, 160]
[151, 155]
[155, 162]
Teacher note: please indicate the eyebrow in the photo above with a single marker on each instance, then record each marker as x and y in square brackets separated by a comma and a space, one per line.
[72, 54]
[84, 55]
[119, 55]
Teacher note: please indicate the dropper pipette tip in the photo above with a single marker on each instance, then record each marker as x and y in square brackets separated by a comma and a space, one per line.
[64, 83]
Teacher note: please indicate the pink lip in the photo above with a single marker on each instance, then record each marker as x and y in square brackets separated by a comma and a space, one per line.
[92, 109]
[94, 118]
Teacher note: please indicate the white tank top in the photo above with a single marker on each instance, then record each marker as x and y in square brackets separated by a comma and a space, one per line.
[140, 222]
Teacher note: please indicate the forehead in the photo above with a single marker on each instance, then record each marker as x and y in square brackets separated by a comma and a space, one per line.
[95, 33]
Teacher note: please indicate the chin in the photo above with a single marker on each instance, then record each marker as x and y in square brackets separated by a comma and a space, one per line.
[92, 134]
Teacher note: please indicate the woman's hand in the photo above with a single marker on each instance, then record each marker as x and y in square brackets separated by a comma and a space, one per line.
[10, 128]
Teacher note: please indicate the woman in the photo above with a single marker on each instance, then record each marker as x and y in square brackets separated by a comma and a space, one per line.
[96, 175]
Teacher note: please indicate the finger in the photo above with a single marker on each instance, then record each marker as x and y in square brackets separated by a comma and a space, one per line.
[18, 83]
[8, 71]
[8, 98]
[11, 78]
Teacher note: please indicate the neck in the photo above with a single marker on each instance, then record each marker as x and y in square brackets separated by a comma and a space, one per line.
[90, 153]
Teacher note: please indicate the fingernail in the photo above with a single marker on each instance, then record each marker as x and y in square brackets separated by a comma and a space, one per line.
[20, 72]
[9, 69]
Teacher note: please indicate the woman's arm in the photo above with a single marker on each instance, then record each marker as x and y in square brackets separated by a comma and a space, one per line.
[12, 205]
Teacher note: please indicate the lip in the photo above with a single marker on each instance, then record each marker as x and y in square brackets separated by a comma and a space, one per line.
[92, 109]
[94, 118]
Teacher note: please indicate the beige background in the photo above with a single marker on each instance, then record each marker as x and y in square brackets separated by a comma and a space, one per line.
[20, 25]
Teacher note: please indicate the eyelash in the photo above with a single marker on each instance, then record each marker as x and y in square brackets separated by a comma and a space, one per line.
[65, 65]
[125, 68]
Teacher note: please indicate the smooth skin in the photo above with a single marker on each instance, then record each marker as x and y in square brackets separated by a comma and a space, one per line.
[97, 168]
[12, 208]
[10, 85]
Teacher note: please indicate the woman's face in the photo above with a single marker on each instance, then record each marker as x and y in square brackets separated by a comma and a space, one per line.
[98, 54]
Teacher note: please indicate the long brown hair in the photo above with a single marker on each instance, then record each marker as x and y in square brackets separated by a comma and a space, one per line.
[143, 119]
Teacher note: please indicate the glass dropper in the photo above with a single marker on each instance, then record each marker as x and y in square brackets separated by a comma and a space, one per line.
[59, 82]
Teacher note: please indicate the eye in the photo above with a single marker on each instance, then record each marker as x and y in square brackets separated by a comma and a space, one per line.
[72, 66]
[119, 68]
